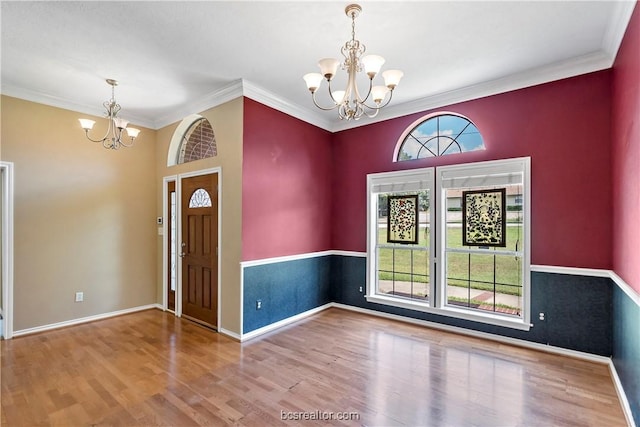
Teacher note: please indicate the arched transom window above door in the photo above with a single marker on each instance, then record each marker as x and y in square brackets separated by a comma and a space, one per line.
[193, 139]
[437, 135]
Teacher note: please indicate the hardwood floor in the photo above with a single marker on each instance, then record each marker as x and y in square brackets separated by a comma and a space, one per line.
[150, 368]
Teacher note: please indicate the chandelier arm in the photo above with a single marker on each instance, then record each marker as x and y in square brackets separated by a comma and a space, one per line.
[313, 97]
[86, 132]
[360, 111]
[375, 113]
[388, 100]
[119, 141]
[109, 106]
[382, 105]
[130, 144]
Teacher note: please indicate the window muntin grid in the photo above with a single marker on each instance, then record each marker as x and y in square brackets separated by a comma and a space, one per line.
[485, 278]
[198, 142]
[440, 135]
[403, 269]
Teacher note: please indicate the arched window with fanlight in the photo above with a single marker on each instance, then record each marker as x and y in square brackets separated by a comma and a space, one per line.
[193, 139]
[198, 142]
[437, 135]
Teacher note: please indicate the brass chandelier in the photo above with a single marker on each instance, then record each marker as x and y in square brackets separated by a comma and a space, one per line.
[350, 103]
[112, 139]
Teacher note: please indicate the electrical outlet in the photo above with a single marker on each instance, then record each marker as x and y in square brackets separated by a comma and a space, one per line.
[541, 316]
[258, 304]
[79, 296]
[360, 289]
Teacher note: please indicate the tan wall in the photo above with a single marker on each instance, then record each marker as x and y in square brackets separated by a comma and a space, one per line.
[226, 121]
[84, 217]
[1, 220]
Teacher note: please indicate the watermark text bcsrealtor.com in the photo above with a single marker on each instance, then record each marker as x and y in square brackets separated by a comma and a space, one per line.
[318, 416]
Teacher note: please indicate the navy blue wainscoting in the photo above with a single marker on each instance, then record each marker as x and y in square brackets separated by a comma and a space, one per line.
[626, 347]
[578, 309]
[285, 289]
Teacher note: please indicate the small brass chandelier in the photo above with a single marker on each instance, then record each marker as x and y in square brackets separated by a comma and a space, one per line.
[350, 103]
[112, 139]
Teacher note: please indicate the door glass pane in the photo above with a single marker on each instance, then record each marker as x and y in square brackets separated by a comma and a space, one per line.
[172, 243]
[200, 199]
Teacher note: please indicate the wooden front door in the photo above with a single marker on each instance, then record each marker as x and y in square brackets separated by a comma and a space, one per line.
[199, 247]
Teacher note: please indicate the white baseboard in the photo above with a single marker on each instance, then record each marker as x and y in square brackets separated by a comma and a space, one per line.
[579, 271]
[230, 334]
[284, 322]
[624, 402]
[84, 320]
[433, 325]
[484, 335]
[622, 396]
[453, 329]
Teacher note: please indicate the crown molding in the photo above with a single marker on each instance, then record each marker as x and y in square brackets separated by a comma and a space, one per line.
[573, 67]
[592, 62]
[560, 70]
[65, 104]
[618, 23]
[238, 88]
[213, 99]
[272, 100]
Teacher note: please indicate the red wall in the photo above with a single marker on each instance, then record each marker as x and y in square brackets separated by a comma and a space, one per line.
[564, 126]
[285, 185]
[304, 189]
[626, 155]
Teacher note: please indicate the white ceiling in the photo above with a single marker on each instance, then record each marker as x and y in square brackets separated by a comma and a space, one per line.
[176, 58]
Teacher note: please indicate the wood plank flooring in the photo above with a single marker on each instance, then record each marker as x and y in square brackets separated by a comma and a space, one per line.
[151, 368]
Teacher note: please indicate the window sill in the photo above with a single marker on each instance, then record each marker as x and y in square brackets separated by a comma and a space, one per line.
[479, 317]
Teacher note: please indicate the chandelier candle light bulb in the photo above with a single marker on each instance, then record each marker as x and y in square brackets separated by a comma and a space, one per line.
[113, 137]
[350, 104]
